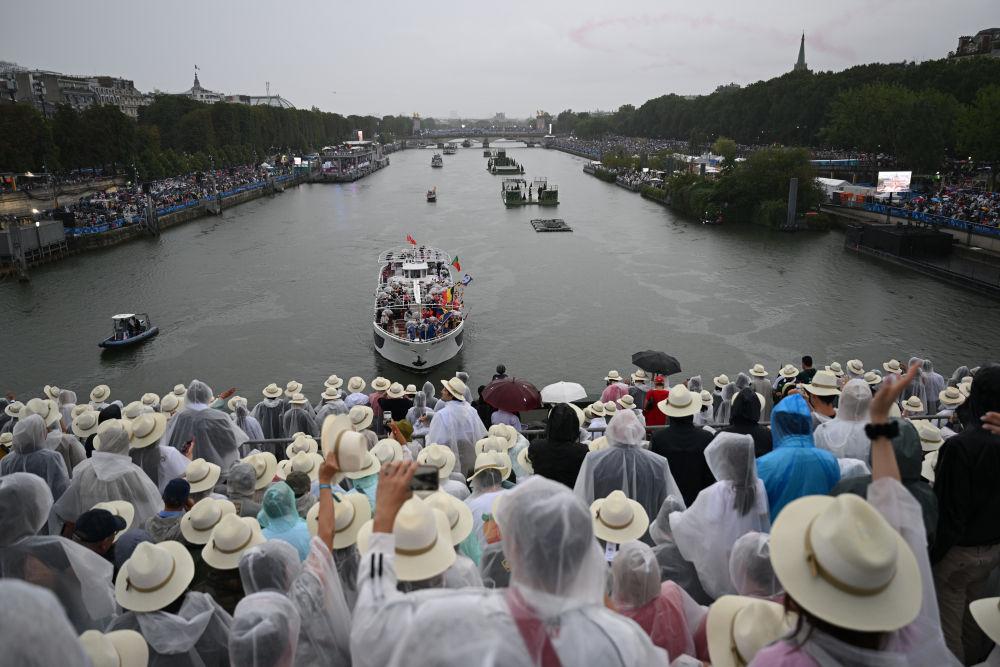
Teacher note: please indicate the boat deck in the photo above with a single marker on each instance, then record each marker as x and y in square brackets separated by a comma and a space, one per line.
[550, 225]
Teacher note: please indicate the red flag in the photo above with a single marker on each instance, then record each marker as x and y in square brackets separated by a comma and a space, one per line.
[411, 240]
[456, 263]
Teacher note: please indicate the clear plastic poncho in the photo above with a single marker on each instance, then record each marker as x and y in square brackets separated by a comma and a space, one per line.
[639, 473]
[347, 561]
[934, 384]
[216, 438]
[916, 387]
[66, 402]
[750, 567]
[29, 454]
[844, 435]
[67, 446]
[673, 566]
[463, 573]
[265, 631]
[198, 634]
[457, 425]
[314, 587]
[79, 577]
[279, 518]
[247, 422]
[241, 488]
[795, 468]
[108, 475]
[298, 420]
[668, 615]
[725, 406]
[330, 409]
[723, 512]
[34, 629]
[268, 414]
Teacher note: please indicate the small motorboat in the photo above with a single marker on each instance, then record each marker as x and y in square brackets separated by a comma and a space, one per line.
[129, 329]
[432, 195]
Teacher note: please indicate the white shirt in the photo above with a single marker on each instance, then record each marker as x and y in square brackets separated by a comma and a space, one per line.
[172, 465]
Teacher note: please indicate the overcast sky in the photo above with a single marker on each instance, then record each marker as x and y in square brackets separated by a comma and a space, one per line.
[472, 57]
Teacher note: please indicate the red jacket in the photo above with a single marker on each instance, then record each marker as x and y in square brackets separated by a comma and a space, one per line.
[653, 415]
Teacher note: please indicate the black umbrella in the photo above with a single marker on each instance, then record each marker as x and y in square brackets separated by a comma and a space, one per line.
[656, 362]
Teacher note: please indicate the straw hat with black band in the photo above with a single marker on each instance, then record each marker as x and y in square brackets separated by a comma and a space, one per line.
[458, 513]
[265, 465]
[680, 403]
[353, 511]
[455, 387]
[202, 475]
[361, 417]
[333, 382]
[423, 541]
[618, 519]
[824, 383]
[439, 456]
[198, 522]
[121, 648]
[155, 576]
[272, 391]
[738, 627]
[230, 538]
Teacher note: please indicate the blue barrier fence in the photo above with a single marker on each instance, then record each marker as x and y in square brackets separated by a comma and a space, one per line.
[931, 219]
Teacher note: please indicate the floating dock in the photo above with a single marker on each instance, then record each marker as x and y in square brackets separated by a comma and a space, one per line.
[550, 225]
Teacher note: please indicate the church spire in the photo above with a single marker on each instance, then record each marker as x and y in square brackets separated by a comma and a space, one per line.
[800, 64]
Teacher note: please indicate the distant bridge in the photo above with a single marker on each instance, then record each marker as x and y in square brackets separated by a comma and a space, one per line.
[480, 135]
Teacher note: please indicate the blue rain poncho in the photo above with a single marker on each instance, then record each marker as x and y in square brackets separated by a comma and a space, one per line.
[279, 518]
[795, 467]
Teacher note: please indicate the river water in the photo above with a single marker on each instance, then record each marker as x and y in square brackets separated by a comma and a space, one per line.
[281, 288]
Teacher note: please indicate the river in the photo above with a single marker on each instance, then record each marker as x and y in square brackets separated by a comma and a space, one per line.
[281, 288]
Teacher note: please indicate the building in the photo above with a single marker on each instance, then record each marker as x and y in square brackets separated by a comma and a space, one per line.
[416, 124]
[196, 92]
[985, 43]
[121, 93]
[800, 64]
[46, 90]
[276, 101]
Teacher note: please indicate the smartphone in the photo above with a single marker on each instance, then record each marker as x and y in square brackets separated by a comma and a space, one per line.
[425, 479]
[386, 418]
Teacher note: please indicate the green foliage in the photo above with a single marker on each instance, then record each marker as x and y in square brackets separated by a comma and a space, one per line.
[771, 213]
[979, 128]
[764, 176]
[725, 147]
[27, 139]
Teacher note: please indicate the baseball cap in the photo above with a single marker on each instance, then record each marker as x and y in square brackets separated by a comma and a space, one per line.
[176, 492]
[98, 525]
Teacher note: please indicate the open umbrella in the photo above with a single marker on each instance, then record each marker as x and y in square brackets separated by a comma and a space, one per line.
[512, 395]
[656, 362]
[563, 392]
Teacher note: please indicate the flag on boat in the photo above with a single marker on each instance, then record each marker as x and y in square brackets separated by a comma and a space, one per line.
[447, 296]
[466, 279]
[456, 263]
[411, 240]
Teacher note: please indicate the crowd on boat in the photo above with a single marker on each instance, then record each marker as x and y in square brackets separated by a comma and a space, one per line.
[805, 515]
[439, 312]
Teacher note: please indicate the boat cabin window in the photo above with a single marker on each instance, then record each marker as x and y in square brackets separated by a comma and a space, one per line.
[415, 271]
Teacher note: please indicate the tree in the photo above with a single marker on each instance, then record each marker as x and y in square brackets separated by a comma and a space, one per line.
[765, 176]
[979, 129]
[27, 139]
[725, 147]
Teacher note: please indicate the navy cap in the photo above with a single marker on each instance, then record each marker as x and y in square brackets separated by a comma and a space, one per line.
[176, 492]
[97, 525]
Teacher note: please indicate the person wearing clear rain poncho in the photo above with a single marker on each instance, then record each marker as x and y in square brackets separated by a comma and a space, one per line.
[241, 489]
[420, 415]
[66, 403]
[735, 505]
[916, 387]
[265, 631]
[558, 576]
[673, 566]
[246, 422]
[725, 406]
[457, 424]
[934, 384]
[34, 630]
[79, 577]
[844, 435]
[642, 475]
[107, 475]
[279, 518]
[668, 615]
[298, 418]
[29, 454]
[268, 412]
[795, 467]
[750, 567]
[216, 438]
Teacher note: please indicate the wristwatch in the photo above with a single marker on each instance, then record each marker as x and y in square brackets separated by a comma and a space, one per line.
[889, 430]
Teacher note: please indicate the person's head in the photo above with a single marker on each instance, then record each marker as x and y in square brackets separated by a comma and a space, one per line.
[750, 566]
[278, 504]
[299, 482]
[791, 420]
[241, 481]
[855, 399]
[479, 390]
[198, 392]
[96, 530]
[501, 369]
[730, 457]
[746, 407]
[985, 394]
[625, 429]
[406, 428]
[25, 502]
[635, 575]
[486, 481]
[659, 382]
[34, 628]
[271, 566]
[265, 631]
[824, 405]
[446, 395]
[28, 435]
[807, 361]
[175, 494]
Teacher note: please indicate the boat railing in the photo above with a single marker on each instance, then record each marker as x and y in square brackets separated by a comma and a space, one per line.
[405, 339]
[426, 254]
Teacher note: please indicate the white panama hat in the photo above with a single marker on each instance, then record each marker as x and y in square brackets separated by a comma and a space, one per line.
[387, 450]
[13, 409]
[491, 460]
[330, 394]
[122, 508]
[872, 378]
[891, 366]
[155, 576]
[80, 408]
[6, 440]
[640, 376]
[297, 399]
[720, 381]
[613, 375]
[292, 387]
[198, 522]
[121, 648]
[707, 400]
[455, 387]
[353, 511]
[617, 518]
[333, 382]
[396, 390]
[505, 431]
[272, 391]
[458, 513]
[626, 402]
[348, 447]
[951, 397]
[51, 391]
[150, 399]
[758, 371]
[738, 627]
[837, 369]
[913, 404]
[928, 466]
[361, 417]
[235, 401]
[411, 390]
[306, 462]
[680, 403]
[986, 611]
[439, 456]
[169, 404]
[303, 443]
[423, 541]
[492, 443]
[230, 538]
[147, 428]
[45, 408]
[370, 465]
[100, 394]
[180, 391]
[264, 465]
[597, 444]
[841, 561]
[381, 384]
[856, 367]
[133, 410]
[524, 461]
[85, 424]
[104, 427]
[610, 408]
[596, 409]
[356, 385]
[788, 371]
[202, 475]
[930, 435]
[824, 383]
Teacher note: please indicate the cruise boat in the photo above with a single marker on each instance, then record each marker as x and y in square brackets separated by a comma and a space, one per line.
[466, 144]
[437, 160]
[450, 149]
[432, 195]
[129, 329]
[418, 316]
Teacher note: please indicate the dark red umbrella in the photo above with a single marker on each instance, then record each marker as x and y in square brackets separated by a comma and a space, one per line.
[512, 395]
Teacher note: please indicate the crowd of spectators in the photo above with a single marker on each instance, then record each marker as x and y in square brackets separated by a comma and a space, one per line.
[967, 204]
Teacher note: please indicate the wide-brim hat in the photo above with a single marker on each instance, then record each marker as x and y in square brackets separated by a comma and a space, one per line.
[505, 431]
[913, 404]
[198, 522]
[411, 390]
[356, 384]
[788, 371]
[155, 576]
[758, 370]
[843, 563]
[951, 396]
[986, 611]
[891, 366]
[293, 387]
[79, 409]
[381, 384]
[492, 443]
[455, 387]
[396, 390]
[872, 378]
[824, 383]
[720, 381]
[639, 376]
[303, 443]
[491, 460]
[331, 394]
[738, 627]
[180, 391]
[147, 428]
[596, 409]
[6, 440]
[150, 399]
[617, 518]
[124, 648]
[458, 513]
[169, 404]
[51, 391]
[298, 399]
[85, 424]
[370, 466]
[837, 369]
[122, 508]
[610, 408]
[202, 475]
[422, 551]
[333, 382]
[361, 417]
[597, 444]
[387, 450]
[930, 435]
[613, 375]
[234, 401]
[856, 367]
[439, 456]
[305, 462]
[13, 409]
[928, 465]
[707, 400]
[100, 394]
[134, 409]
[264, 465]
[272, 391]
[231, 537]
[524, 461]
[353, 511]
[680, 403]
[626, 402]
[45, 408]
[105, 426]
